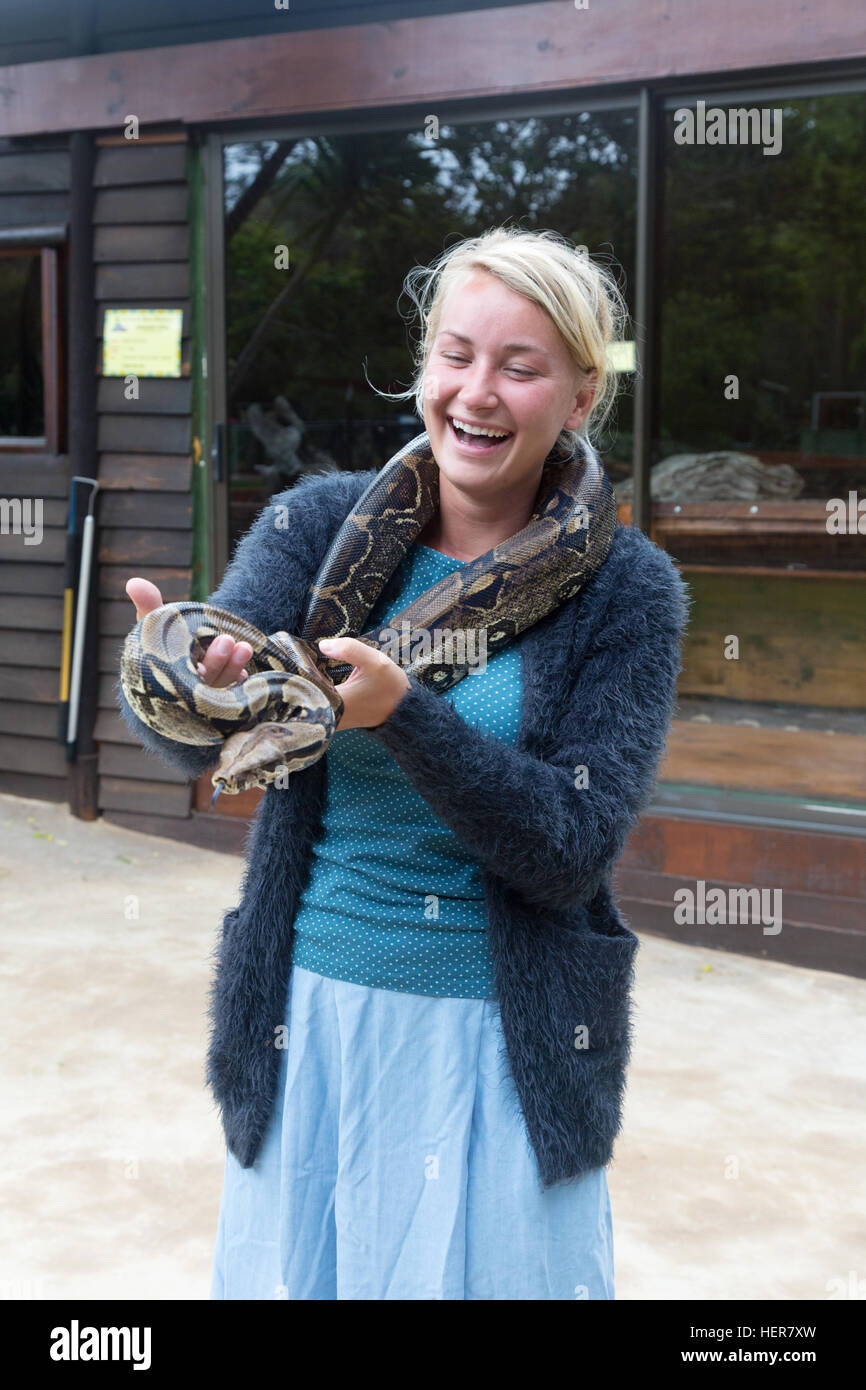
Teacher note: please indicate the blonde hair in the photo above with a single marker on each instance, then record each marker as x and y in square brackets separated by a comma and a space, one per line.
[581, 297]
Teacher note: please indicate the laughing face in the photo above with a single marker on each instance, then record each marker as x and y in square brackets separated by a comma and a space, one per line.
[499, 386]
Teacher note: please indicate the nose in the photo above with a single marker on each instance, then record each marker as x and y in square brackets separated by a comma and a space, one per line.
[476, 387]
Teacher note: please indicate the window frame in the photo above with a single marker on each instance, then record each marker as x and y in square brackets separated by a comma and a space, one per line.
[50, 243]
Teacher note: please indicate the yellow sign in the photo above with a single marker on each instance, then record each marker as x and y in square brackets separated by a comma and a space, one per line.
[621, 357]
[142, 342]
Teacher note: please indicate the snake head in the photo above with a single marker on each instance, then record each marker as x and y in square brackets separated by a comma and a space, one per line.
[268, 753]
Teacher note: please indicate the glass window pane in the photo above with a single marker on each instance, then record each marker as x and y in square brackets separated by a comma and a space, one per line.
[763, 327]
[22, 407]
[355, 212]
[762, 434]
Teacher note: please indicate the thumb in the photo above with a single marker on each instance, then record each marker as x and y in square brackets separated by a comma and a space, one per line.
[351, 649]
[144, 595]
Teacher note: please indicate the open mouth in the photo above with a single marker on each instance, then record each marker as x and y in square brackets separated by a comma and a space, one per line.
[477, 442]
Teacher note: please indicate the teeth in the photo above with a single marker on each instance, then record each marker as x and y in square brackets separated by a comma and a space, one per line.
[475, 429]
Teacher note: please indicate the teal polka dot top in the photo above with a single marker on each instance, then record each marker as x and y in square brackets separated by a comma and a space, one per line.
[394, 900]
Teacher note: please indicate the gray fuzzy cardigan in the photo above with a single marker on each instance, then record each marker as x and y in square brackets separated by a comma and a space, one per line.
[600, 679]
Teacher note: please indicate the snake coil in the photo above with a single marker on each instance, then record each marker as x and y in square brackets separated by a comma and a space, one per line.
[283, 716]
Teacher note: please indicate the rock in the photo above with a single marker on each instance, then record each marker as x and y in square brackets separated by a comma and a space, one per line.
[280, 431]
[721, 476]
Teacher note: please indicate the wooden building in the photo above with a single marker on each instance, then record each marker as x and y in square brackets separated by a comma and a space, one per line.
[157, 157]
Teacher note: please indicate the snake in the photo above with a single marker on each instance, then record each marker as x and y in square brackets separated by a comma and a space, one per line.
[282, 717]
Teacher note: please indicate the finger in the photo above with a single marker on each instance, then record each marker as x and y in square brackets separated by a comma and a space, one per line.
[352, 650]
[234, 669]
[227, 667]
[224, 661]
[220, 681]
[216, 659]
[144, 595]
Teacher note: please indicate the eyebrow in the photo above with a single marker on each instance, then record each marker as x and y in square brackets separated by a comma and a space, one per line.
[509, 347]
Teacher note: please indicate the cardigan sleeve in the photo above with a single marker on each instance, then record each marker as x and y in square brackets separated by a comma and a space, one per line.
[264, 583]
[531, 820]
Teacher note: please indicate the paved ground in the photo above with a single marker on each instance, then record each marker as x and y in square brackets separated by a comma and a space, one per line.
[739, 1173]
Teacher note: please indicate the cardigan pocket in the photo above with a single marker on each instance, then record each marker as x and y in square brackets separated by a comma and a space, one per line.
[566, 977]
[594, 985]
[565, 999]
[590, 1044]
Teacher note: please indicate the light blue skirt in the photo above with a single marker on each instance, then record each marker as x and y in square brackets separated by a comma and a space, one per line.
[396, 1165]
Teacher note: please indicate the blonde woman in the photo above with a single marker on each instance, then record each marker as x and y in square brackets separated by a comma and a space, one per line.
[422, 1006]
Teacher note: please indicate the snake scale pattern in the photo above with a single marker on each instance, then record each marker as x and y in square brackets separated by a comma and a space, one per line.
[283, 716]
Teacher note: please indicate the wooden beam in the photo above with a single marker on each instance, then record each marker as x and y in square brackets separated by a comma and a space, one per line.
[434, 58]
[821, 881]
[806, 763]
[795, 860]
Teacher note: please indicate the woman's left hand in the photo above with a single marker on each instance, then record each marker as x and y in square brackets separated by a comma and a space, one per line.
[374, 689]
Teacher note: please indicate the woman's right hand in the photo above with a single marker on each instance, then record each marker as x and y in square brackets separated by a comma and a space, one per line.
[224, 661]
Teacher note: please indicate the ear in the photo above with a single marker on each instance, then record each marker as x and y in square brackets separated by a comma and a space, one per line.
[583, 400]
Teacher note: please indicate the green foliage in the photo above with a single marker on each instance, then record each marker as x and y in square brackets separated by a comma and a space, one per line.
[762, 260]
[764, 276]
[393, 200]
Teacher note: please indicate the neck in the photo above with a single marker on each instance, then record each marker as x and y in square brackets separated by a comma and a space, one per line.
[465, 527]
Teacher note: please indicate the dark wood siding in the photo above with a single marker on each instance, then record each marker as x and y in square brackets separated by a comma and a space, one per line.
[141, 247]
[34, 192]
[141, 254]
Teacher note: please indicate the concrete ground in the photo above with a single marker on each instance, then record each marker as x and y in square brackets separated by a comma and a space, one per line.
[738, 1174]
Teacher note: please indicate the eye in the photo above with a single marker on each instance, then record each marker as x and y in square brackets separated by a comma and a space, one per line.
[522, 371]
[453, 357]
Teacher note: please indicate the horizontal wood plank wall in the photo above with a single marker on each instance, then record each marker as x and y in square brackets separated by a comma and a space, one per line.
[820, 880]
[141, 254]
[815, 764]
[800, 640]
[34, 191]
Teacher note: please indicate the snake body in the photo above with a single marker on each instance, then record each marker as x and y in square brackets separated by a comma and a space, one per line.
[283, 716]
